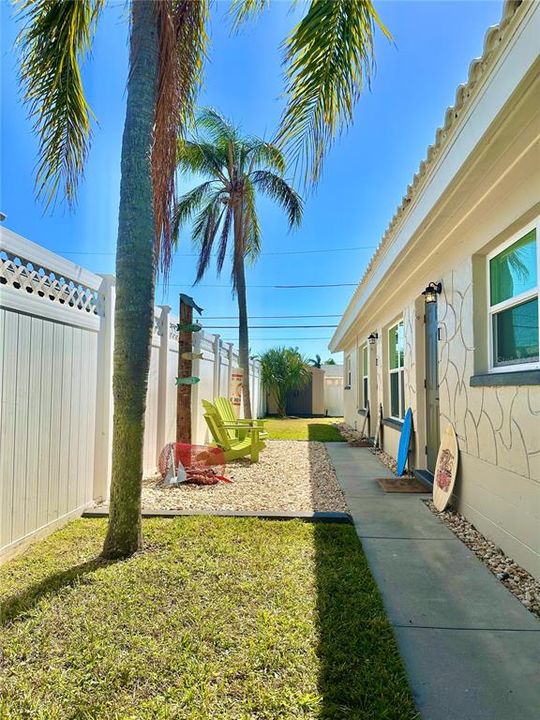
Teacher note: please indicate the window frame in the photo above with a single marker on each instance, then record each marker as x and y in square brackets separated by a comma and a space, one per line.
[523, 297]
[399, 371]
[364, 354]
[348, 372]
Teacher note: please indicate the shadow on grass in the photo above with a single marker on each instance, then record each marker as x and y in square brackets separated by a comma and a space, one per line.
[12, 607]
[324, 432]
[361, 673]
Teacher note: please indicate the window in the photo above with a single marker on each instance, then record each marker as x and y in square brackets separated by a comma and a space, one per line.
[396, 362]
[365, 376]
[513, 303]
[348, 372]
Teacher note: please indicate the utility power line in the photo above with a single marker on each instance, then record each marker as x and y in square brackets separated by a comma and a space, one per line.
[266, 327]
[266, 317]
[269, 252]
[271, 287]
[326, 339]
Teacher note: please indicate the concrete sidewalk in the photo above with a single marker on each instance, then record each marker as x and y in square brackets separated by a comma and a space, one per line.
[471, 650]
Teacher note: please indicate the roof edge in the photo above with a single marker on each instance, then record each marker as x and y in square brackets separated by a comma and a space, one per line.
[477, 70]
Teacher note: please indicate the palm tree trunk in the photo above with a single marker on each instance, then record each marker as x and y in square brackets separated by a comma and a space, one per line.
[135, 282]
[243, 333]
[243, 337]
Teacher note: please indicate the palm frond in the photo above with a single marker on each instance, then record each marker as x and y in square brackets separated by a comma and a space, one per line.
[205, 229]
[224, 238]
[182, 42]
[187, 205]
[252, 229]
[258, 152]
[242, 10]
[218, 129]
[203, 158]
[54, 40]
[329, 57]
[279, 190]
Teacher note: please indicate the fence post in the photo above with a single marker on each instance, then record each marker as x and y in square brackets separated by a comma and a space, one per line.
[231, 360]
[104, 396]
[217, 364]
[163, 379]
[196, 389]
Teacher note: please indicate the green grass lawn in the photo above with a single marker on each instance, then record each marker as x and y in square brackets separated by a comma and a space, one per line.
[217, 618]
[321, 429]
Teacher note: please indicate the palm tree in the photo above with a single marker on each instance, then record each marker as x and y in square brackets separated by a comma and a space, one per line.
[167, 43]
[328, 57]
[283, 369]
[316, 361]
[223, 207]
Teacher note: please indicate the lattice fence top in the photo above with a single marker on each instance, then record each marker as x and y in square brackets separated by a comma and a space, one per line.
[173, 330]
[26, 276]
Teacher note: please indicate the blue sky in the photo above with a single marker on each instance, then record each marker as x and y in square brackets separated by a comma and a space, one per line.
[365, 176]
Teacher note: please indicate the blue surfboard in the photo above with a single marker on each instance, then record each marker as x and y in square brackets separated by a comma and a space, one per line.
[404, 442]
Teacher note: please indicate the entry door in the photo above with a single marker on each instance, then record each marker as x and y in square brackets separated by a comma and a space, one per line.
[300, 402]
[432, 386]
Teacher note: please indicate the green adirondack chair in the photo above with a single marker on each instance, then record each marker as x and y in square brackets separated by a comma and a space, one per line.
[233, 448]
[226, 410]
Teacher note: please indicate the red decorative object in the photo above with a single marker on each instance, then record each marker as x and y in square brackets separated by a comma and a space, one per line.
[204, 465]
[444, 471]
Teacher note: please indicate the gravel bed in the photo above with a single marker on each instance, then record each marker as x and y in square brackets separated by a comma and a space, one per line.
[520, 583]
[291, 475]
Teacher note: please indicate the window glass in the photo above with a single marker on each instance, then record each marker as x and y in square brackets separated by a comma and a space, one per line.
[394, 394]
[515, 334]
[396, 346]
[514, 270]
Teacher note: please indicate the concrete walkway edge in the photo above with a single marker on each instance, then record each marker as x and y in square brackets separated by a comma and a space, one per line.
[470, 648]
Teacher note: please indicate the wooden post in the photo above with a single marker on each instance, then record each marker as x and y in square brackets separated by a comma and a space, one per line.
[183, 392]
[163, 380]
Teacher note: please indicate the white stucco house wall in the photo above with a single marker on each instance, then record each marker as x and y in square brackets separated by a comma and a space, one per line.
[469, 225]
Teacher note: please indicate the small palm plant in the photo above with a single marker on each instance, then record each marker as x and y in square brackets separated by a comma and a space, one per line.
[283, 369]
[316, 361]
[223, 208]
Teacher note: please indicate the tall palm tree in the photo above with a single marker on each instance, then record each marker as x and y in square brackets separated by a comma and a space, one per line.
[167, 44]
[328, 56]
[223, 207]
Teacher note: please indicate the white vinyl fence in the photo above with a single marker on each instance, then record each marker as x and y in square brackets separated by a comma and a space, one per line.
[56, 343]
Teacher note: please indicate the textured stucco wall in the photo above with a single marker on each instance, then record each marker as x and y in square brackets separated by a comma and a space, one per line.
[500, 425]
[498, 429]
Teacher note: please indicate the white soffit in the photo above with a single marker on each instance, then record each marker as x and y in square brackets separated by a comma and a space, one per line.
[499, 41]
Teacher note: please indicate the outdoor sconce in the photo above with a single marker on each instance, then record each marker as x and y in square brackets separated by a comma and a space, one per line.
[372, 338]
[431, 292]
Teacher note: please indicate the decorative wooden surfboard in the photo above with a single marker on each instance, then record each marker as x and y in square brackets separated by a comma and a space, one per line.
[446, 469]
[404, 442]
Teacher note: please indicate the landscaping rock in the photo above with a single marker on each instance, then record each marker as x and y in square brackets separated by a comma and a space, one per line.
[290, 476]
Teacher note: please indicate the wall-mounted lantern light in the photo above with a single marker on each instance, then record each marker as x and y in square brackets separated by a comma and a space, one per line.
[431, 292]
[372, 338]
